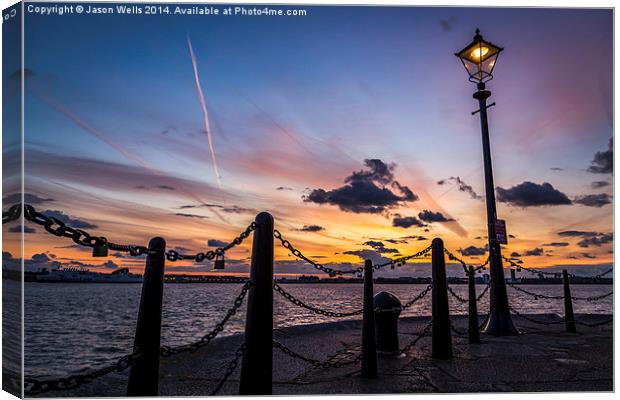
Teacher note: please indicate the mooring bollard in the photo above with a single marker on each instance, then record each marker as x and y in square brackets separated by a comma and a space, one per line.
[569, 316]
[369, 346]
[387, 309]
[256, 367]
[442, 338]
[474, 330]
[144, 373]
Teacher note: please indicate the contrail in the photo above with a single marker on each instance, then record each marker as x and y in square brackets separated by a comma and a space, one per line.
[203, 105]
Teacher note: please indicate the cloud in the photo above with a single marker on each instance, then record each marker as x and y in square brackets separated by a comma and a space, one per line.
[372, 190]
[529, 194]
[515, 254]
[603, 161]
[227, 209]
[473, 251]
[379, 247]
[31, 199]
[556, 244]
[18, 229]
[283, 188]
[556, 169]
[165, 187]
[588, 255]
[538, 251]
[594, 200]
[190, 215]
[447, 24]
[371, 255]
[430, 216]
[110, 264]
[311, 228]
[406, 222]
[216, 243]
[70, 221]
[596, 240]
[461, 186]
[599, 184]
[576, 233]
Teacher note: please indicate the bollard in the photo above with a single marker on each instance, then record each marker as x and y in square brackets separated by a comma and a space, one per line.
[569, 316]
[442, 338]
[144, 373]
[474, 332]
[258, 359]
[387, 309]
[369, 346]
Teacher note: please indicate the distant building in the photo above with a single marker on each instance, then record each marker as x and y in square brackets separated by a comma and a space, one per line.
[485, 278]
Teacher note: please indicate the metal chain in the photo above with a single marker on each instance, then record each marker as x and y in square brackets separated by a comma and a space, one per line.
[418, 297]
[332, 272]
[12, 214]
[456, 296]
[232, 366]
[35, 386]
[418, 337]
[167, 351]
[172, 255]
[400, 261]
[484, 291]
[592, 277]
[465, 266]
[528, 269]
[547, 297]
[315, 310]
[455, 330]
[315, 363]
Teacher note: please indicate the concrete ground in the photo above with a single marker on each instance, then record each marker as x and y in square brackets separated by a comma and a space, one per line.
[543, 358]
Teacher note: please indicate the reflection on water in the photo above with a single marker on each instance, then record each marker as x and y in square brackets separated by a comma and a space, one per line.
[72, 327]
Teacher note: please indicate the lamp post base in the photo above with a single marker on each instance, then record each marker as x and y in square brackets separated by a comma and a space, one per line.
[499, 324]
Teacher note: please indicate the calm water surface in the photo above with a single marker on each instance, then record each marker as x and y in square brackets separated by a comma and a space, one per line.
[73, 327]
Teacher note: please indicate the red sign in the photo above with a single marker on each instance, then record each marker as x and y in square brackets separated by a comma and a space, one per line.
[500, 231]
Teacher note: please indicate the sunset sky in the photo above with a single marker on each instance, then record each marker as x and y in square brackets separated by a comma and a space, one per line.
[351, 125]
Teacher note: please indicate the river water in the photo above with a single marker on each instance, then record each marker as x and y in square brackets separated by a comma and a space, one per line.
[73, 327]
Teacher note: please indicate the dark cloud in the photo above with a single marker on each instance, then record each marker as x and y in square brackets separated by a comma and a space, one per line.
[599, 184]
[186, 215]
[596, 240]
[32, 199]
[372, 190]
[588, 255]
[576, 233]
[594, 200]
[529, 194]
[283, 188]
[110, 264]
[603, 162]
[461, 185]
[556, 244]
[429, 216]
[169, 128]
[227, 209]
[71, 221]
[538, 251]
[447, 24]
[216, 243]
[406, 222]
[165, 187]
[556, 169]
[18, 229]
[473, 251]
[515, 254]
[366, 254]
[311, 228]
[379, 247]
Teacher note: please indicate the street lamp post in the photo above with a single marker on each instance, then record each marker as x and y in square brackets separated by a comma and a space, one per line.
[479, 58]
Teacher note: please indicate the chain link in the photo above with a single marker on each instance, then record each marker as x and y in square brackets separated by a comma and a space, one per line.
[484, 291]
[12, 214]
[400, 261]
[418, 297]
[456, 295]
[167, 351]
[35, 386]
[418, 337]
[230, 369]
[332, 272]
[315, 363]
[465, 266]
[547, 297]
[525, 317]
[315, 310]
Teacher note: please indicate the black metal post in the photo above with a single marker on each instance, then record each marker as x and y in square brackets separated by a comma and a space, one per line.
[256, 367]
[474, 333]
[144, 373]
[569, 316]
[499, 322]
[442, 337]
[369, 345]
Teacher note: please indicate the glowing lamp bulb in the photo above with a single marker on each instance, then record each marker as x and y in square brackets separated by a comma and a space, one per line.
[479, 52]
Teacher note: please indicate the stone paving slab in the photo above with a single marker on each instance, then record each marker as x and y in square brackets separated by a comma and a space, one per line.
[543, 358]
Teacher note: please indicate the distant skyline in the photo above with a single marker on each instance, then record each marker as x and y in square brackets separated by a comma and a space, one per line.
[351, 125]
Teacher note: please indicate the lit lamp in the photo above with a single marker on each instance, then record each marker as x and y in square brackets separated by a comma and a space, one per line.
[479, 59]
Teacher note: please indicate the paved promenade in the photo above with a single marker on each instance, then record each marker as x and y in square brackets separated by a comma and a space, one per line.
[542, 358]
